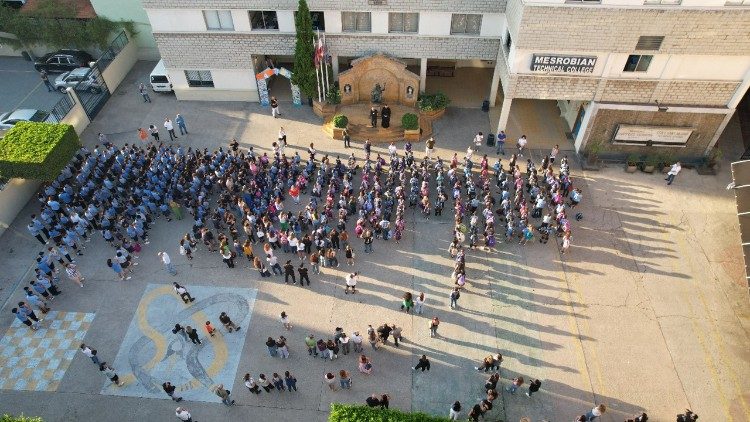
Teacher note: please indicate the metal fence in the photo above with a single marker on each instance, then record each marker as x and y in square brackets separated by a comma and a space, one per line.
[61, 109]
[117, 45]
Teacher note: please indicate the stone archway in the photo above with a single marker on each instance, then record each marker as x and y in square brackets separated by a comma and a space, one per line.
[262, 81]
[401, 86]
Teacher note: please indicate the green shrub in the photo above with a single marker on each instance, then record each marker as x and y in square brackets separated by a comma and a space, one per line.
[334, 95]
[433, 102]
[651, 160]
[32, 150]
[361, 413]
[410, 121]
[633, 159]
[22, 418]
[340, 121]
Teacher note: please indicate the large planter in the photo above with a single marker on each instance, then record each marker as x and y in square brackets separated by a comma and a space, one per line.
[631, 168]
[338, 133]
[649, 168]
[323, 109]
[411, 135]
[432, 115]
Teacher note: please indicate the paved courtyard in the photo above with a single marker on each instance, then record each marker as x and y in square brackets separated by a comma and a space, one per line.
[649, 310]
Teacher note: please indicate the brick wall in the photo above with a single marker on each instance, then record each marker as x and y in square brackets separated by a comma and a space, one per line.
[232, 51]
[697, 92]
[606, 120]
[605, 29]
[628, 91]
[555, 88]
[458, 6]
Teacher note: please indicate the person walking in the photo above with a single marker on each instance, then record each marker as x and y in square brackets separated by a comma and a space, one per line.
[182, 292]
[517, 382]
[501, 136]
[302, 270]
[330, 380]
[594, 413]
[24, 318]
[396, 333]
[275, 107]
[285, 321]
[534, 386]
[167, 262]
[169, 389]
[227, 322]
[169, 126]
[423, 364]
[419, 303]
[183, 414]
[210, 330]
[291, 381]
[90, 353]
[454, 296]
[179, 329]
[193, 335]
[251, 385]
[45, 79]
[490, 362]
[455, 411]
[111, 374]
[434, 323]
[407, 302]
[224, 395]
[673, 172]
[345, 380]
[181, 124]
[144, 93]
[25, 308]
[71, 270]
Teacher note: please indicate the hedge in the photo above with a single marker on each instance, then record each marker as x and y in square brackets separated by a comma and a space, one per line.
[410, 121]
[32, 150]
[340, 121]
[434, 102]
[22, 418]
[361, 413]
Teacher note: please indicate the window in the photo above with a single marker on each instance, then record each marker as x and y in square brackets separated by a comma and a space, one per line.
[508, 42]
[648, 42]
[737, 3]
[355, 21]
[220, 20]
[665, 2]
[403, 22]
[466, 24]
[263, 20]
[637, 63]
[199, 78]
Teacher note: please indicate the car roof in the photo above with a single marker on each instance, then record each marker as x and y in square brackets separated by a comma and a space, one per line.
[23, 113]
[79, 71]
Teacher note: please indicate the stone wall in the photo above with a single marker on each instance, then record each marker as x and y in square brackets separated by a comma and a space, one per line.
[555, 87]
[605, 124]
[696, 92]
[579, 28]
[457, 6]
[233, 51]
[628, 91]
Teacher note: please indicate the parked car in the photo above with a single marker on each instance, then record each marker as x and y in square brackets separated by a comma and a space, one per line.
[71, 79]
[63, 61]
[7, 120]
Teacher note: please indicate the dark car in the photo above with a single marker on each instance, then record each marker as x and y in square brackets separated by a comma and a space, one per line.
[63, 61]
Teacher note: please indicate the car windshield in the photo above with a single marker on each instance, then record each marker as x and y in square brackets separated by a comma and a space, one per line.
[39, 116]
[159, 79]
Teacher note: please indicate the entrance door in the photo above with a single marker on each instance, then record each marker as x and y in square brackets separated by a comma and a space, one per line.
[579, 119]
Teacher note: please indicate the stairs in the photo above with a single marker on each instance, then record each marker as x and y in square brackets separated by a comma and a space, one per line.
[360, 132]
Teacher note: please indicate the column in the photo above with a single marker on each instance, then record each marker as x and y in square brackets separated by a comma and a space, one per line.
[502, 123]
[335, 66]
[422, 75]
[495, 83]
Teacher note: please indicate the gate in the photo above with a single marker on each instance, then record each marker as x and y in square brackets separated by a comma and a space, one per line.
[92, 91]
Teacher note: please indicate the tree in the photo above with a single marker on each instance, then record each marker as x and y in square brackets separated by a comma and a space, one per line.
[303, 73]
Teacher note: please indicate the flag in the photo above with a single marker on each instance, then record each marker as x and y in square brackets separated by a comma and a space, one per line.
[319, 53]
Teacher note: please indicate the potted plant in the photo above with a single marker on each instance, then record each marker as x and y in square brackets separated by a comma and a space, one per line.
[410, 123]
[714, 158]
[592, 154]
[328, 107]
[340, 123]
[665, 162]
[433, 106]
[632, 163]
[649, 164]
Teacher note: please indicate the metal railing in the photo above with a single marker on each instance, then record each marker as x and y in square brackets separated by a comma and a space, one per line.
[61, 109]
[115, 47]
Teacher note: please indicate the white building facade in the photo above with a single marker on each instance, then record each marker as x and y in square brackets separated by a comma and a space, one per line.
[629, 74]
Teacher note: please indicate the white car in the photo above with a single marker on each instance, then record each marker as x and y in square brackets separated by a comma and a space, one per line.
[81, 79]
[7, 120]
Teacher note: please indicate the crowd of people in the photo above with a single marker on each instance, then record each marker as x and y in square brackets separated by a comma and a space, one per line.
[239, 202]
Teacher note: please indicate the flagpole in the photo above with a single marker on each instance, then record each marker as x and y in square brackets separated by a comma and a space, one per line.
[317, 75]
[325, 64]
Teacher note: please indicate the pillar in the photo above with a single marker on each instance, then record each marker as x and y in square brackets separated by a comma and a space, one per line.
[422, 75]
[495, 83]
[502, 123]
[335, 66]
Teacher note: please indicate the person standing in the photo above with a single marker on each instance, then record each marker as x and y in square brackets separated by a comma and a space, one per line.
[429, 147]
[251, 385]
[673, 172]
[169, 389]
[522, 141]
[36, 301]
[454, 296]
[351, 283]
[501, 136]
[330, 379]
[167, 263]
[111, 374]
[45, 78]
[21, 315]
[275, 107]
[142, 135]
[423, 364]
[285, 321]
[303, 274]
[144, 93]
[311, 343]
[478, 139]
[534, 386]
[291, 381]
[90, 353]
[154, 132]
[345, 379]
[227, 322]
[455, 411]
[179, 329]
[183, 414]
[373, 117]
[183, 293]
[181, 124]
[347, 139]
[596, 412]
[170, 129]
[289, 272]
[434, 323]
[396, 333]
[282, 138]
[517, 382]
[419, 303]
[192, 334]
[553, 153]
[224, 395]
[385, 116]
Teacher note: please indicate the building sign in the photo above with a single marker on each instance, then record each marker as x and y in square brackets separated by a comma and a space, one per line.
[655, 135]
[562, 64]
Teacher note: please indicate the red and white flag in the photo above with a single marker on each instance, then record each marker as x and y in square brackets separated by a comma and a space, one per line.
[319, 53]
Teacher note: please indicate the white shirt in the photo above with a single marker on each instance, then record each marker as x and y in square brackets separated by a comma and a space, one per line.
[675, 169]
[351, 280]
[183, 415]
[165, 258]
[87, 351]
[392, 149]
[522, 141]
[478, 140]
[168, 125]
